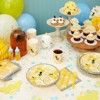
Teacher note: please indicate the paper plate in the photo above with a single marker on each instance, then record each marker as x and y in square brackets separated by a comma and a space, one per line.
[90, 63]
[43, 75]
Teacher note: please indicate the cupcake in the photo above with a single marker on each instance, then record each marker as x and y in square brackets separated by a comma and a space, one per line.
[61, 21]
[90, 40]
[75, 27]
[98, 35]
[53, 21]
[89, 30]
[77, 37]
[74, 21]
[87, 23]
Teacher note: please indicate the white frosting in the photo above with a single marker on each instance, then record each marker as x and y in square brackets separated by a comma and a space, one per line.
[60, 20]
[74, 21]
[98, 33]
[75, 27]
[53, 20]
[77, 35]
[91, 37]
[87, 22]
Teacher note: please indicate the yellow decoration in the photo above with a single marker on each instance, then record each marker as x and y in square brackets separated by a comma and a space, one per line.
[89, 95]
[3, 49]
[67, 78]
[12, 7]
[11, 88]
[96, 22]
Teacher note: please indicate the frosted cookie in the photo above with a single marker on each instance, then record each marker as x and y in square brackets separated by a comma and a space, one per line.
[90, 40]
[77, 37]
[57, 21]
[53, 21]
[61, 21]
[42, 75]
[70, 8]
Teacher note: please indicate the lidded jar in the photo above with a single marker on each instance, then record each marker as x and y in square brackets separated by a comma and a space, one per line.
[18, 39]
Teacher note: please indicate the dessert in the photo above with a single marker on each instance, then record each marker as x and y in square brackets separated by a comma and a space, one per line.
[7, 68]
[70, 8]
[89, 30]
[90, 62]
[74, 21]
[42, 75]
[53, 21]
[67, 79]
[61, 21]
[98, 35]
[57, 21]
[87, 23]
[90, 40]
[77, 37]
[75, 27]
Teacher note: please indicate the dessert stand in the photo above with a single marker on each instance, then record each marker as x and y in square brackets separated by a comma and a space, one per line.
[82, 45]
[58, 36]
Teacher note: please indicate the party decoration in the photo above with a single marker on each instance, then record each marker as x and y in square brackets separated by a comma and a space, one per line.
[7, 24]
[70, 8]
[11, 88]
[3, 49]
[84, 13]
[95, 12]
[96, 22]
[89, 95]
[26, 21]
[11, 7]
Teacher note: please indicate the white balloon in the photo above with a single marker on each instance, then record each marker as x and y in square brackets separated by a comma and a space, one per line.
[7, 24]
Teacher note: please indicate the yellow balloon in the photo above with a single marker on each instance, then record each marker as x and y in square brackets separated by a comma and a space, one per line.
[11, 7]
[96, 22]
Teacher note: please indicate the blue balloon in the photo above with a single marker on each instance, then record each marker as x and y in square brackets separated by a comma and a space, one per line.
[26, 21]
[84, 14]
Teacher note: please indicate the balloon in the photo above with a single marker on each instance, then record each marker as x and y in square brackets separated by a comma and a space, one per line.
[96, 22]
[26, 21]
[11, 7]
[7, 24]
[85, 12]
[3, 49]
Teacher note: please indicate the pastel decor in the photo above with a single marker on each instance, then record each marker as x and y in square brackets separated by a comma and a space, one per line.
[96, 22]
[11, 7]
[84, 12]
[3, 49]
[26, 21]
[11, 88]
[7, 24]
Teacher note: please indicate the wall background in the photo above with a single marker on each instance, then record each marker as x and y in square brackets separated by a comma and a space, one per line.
[44, 9]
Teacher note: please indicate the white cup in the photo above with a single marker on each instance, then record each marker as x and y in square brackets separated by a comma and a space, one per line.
[31, 33]
[58, 55]
[33, 46]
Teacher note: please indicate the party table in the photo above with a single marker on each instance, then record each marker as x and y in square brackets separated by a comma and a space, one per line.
[87, 89]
